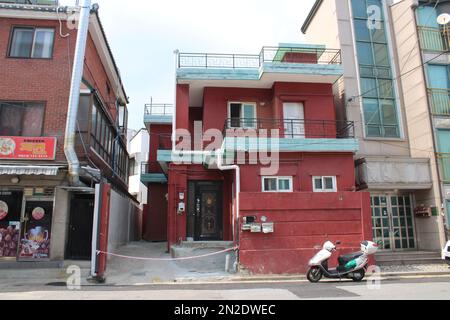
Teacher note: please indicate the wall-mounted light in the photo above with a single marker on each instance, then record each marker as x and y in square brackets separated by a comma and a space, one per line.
[15, 180]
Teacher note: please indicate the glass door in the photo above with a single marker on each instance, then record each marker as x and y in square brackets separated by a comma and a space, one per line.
[393, 222]
[10, 212]
[294, 120]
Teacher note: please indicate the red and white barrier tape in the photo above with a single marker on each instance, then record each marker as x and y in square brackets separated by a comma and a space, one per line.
[167, 259]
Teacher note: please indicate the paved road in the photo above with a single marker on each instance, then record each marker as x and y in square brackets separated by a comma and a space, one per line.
[406, 288]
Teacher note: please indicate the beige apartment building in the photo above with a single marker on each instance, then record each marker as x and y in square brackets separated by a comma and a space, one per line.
[396, 89]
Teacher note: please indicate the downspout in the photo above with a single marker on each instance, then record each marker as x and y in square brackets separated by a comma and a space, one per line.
[237, 169]
[74, 98]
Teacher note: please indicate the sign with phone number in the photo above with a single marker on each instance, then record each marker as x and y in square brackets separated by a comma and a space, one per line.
[28, 148]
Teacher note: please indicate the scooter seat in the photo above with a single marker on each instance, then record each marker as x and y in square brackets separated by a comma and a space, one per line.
[346, 258]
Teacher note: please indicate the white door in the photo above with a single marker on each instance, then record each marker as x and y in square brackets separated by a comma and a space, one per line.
[294, 120]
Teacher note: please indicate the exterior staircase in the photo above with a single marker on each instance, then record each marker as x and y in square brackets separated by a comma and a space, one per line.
[408, 258]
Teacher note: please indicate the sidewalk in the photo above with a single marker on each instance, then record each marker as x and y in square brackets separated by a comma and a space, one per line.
[129, 272]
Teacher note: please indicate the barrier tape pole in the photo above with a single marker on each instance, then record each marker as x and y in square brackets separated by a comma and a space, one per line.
[166, 259]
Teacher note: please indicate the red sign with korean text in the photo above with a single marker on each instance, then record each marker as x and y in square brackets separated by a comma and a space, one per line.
[27, 148]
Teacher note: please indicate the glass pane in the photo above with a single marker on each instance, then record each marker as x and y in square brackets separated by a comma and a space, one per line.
[270, 184]
[395, 222]
[385, 222]
[386, 233]
[371, 111]
[377, 212]
[235, 115]
[381, 54]
[359, 9]
[33, 119]
[22, 42]
[284, 184]
[394, 201]
[365, 54]
[377, 201]
[318, 183]
[391, 132]
[412, 244]
[329, 185]
[43, 43]
[379, 35]
[11, 115]
[369, 87]
[395, 212]
[249, 116]
[361, 30]
[386, 89]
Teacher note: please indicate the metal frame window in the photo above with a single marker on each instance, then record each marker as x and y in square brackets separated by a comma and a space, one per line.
[238, 113]
[324, 184]
[31, 42]
[22, 118]
[381, 117]
[277, 184]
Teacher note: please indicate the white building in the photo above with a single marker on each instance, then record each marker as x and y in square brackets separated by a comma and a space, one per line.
[138, 148]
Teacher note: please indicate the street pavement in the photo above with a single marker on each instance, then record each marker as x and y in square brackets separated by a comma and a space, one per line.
[408, 288]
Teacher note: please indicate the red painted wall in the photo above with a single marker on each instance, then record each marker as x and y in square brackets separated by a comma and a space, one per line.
[302, 221]
[302, 167]
[155, 213]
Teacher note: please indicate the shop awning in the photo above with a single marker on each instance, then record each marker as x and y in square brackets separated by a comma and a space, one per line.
[28, 170]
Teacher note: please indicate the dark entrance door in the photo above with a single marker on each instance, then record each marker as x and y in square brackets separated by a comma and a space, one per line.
[79, 246]
[208, 210]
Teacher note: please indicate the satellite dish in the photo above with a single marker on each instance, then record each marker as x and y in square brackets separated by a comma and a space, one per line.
[443, 19]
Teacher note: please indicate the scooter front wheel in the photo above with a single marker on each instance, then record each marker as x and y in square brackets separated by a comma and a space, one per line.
[314, 275]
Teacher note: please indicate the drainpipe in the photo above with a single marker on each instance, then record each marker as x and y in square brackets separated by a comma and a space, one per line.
[237, 169]
[74, 98]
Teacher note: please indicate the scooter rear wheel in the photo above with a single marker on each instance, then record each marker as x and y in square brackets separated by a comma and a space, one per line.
[359, 275]
[314, 275]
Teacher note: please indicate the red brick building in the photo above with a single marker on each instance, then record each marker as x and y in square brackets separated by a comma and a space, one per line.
[237, 116]
[49, 219]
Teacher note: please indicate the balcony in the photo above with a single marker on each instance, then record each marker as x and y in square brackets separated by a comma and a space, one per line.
[152, 172]
[291, 135]
[433, 39]
[158, 113]
[444, 159]
[286, 63]
[440, 101]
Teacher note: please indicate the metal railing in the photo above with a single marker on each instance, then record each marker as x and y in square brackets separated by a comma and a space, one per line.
[158, 109]
[433, 39]
[291, 128]
[440, 101]
[33, 2]
[444, 159]
[267, 54]
[150, 167]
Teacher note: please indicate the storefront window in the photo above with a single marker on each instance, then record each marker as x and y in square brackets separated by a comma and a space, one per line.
[10, 212]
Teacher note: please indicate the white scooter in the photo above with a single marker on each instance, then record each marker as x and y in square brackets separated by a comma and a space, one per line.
[351, 266]
[446, 253]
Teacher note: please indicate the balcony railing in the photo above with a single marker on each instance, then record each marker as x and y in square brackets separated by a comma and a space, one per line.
[267, 54]
[444, 159]
[440, 101]
[158, 110]
[433, 39]
[33, 2]
[150, 167]
[294, 129]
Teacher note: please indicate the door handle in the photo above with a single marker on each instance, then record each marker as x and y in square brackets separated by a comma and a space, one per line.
[197, 208]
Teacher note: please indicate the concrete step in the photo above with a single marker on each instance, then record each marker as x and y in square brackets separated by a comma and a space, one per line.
[206, 244]
[408, 258]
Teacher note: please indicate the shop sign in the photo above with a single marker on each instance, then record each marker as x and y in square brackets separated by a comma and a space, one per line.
[423, 211]
[35, 244]
[28, 148]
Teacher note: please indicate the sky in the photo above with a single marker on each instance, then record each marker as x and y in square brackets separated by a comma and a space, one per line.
[144, 33]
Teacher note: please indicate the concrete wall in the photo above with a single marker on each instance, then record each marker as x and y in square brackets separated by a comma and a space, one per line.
[302, 221]
[414, 87]
[125, 221]
[60, 226]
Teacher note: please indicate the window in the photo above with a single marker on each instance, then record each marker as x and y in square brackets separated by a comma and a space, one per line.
[21, 119]
[32, 43]
[277, 184]
[242, 115]
[324, 184]
[377, 83]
